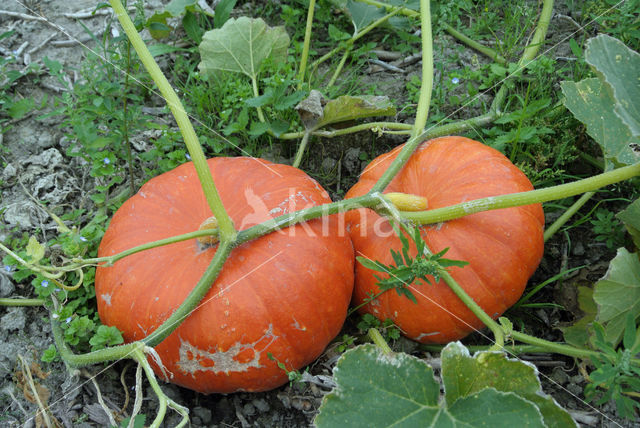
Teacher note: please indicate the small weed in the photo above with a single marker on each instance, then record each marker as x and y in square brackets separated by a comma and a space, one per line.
[608, 228]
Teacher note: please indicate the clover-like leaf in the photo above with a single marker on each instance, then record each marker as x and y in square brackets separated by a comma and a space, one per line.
[241, 46]
[618, 293]
[619, 66]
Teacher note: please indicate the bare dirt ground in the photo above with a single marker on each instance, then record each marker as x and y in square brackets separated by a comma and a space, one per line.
[35, 164]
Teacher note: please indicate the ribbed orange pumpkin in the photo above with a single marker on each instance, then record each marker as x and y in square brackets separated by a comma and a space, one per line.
[285, 293]
[503, 247]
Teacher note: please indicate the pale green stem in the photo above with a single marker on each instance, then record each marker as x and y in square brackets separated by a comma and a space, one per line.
[300, 153]
[412, 144]
[256, 93]
[377, 338]
[307, 41]
[551, 230]
[227, 230]
[163, 400]
[374, 126]
[356, 37]
[495, 328]
[473, 44]
[21, 302]
[532, 49]
[427, 70]
[340, 66]
[524, 198]
[193, 298]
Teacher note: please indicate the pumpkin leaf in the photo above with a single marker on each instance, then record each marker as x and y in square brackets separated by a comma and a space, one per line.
[579, 333]
[377, 389]
[592, 104]
[463, 376]
[363, 14]
[35, 250]
[347, 107]
[619, 67]
[617, 294]
[630, 216]
[241, 46]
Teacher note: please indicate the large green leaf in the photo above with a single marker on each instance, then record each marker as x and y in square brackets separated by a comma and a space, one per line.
[630, 216]
[375, 389]
[379, 389]
[363, 14]
[241, 46]
[463, 376]
[592, 103]
[619, 66]
[618, 294]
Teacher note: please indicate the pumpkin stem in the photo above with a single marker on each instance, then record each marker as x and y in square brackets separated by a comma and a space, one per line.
[407, 202]
[209, 224]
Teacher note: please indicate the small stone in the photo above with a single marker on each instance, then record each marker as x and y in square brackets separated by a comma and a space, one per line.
[328, 164]
[14, 319]
[9, 172]
[248, 409]
[261, 404]
[203, 413]
[6, 286]
[559, 376]
[351, 160]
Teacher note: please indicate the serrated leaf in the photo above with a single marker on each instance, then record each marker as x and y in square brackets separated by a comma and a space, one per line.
[35, 250]
[630, 216]
[355, 107]
[241, 46]
[618, 294]
[464, 376]
[592, 104]
[619, 66]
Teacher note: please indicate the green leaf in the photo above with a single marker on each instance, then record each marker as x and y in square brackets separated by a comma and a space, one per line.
[161, 49]
[35, 250]
[491, 408]
[363, 14]
[223, 12]
[378, 390]
[618, 294]
[241, 46]
[375, 389]
[355, 107]
[157, 25]
[179, 7]
[592, 103]
[619, 66]
[630, 216]
[20, 108]
[464, 376]
[579, 333]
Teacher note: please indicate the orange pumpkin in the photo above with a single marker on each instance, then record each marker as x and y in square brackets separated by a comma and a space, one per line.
[285, 293]
[503, 247]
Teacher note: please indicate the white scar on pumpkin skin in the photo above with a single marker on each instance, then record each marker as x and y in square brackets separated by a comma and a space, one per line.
[223, 361]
